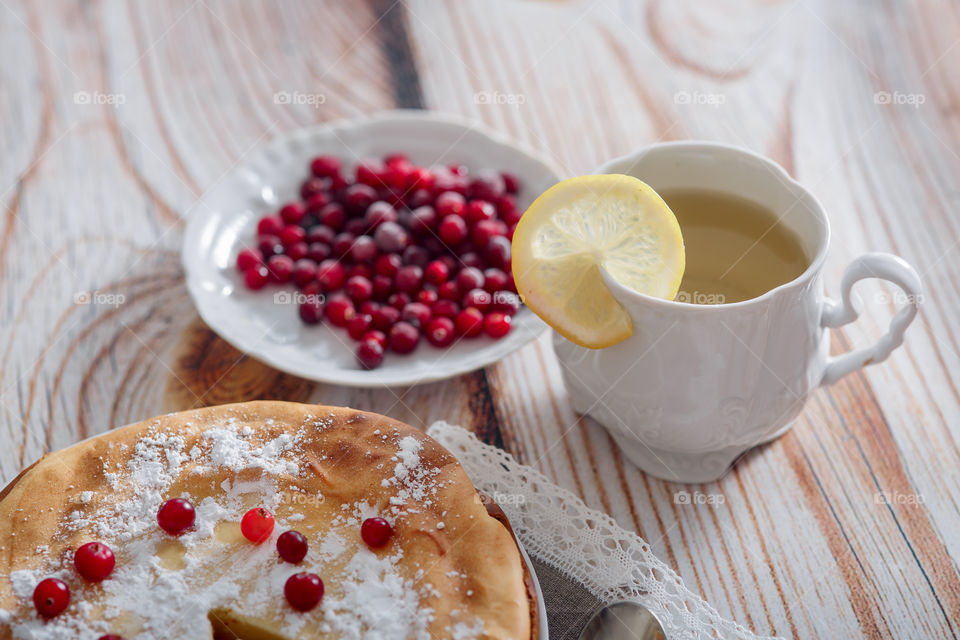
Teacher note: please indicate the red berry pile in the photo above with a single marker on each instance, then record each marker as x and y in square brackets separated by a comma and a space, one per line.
[396, 254]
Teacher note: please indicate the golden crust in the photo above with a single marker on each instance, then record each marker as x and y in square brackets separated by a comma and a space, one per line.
[463, 564]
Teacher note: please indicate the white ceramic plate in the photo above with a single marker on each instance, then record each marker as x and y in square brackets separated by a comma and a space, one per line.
[225, 221]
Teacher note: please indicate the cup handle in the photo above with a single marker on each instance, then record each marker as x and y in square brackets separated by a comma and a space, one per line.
[834, 314]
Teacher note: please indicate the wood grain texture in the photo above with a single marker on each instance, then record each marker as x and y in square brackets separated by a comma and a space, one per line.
[118, 116]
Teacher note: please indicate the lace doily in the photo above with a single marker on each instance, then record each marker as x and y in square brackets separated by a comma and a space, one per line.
[558, 529]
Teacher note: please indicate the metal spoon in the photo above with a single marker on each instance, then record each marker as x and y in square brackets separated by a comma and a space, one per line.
[623, 621]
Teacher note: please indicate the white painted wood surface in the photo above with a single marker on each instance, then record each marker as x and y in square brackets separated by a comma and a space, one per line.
[116, 117]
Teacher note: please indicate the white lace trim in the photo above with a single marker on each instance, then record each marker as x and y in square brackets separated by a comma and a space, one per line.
[557, 528]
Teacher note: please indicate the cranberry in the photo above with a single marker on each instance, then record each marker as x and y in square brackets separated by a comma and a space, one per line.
[359, 288]
[292, 212]
[297, 250]
[445, 309]
[318, 252]
[111, 636]
[332, 216]
[359, 325]
[375, 532]
[280, 268]
[499, 252]
[507, 209]
[511, 184]
[368, 172]
[449, 291]
[506, 302]
[51, 597]
[377, 336]
[391, 237]
[394, 175]
[416, 255]
[331, 274]
[450, 203]
[486, 185]
[355, 226]
[399, 300]
[256, 277]
[427, 296]
[452, 230]
[382, 287]
[469, 278]
[436, 272]
[320, 233]
[370, 354]
[385, 317]
[249, 258]
[311, 309]
[423, 219]
[471, 259]
[479, 210]
[270, 245]
[484, 230]
[303, 591]
[469, 322]
[440, 332]
[292, 546]
[448, 181]
[325, 166]
[313, 187]
[340, 310]
[396, 158]
[378, 213]
[270, 226]
[403, 337]
[256, 525]
[419, 198]
[409, 279]
[291, 234]
[343, 243]
[338, 183]
[176, 516]
[388, 265]
[94, 561]
[304, 271]
[368, 307]
[477, 298]
[416, 313]
[494, 280]
[497, 324]
[363, 249]
[419, 178]
[358, 197]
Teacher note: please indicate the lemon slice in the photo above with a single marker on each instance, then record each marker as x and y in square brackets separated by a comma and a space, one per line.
[582, 225]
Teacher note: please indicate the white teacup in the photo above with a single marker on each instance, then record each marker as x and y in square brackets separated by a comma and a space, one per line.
[696, 386]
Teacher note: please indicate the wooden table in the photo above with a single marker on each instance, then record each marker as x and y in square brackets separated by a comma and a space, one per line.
[117, 117]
